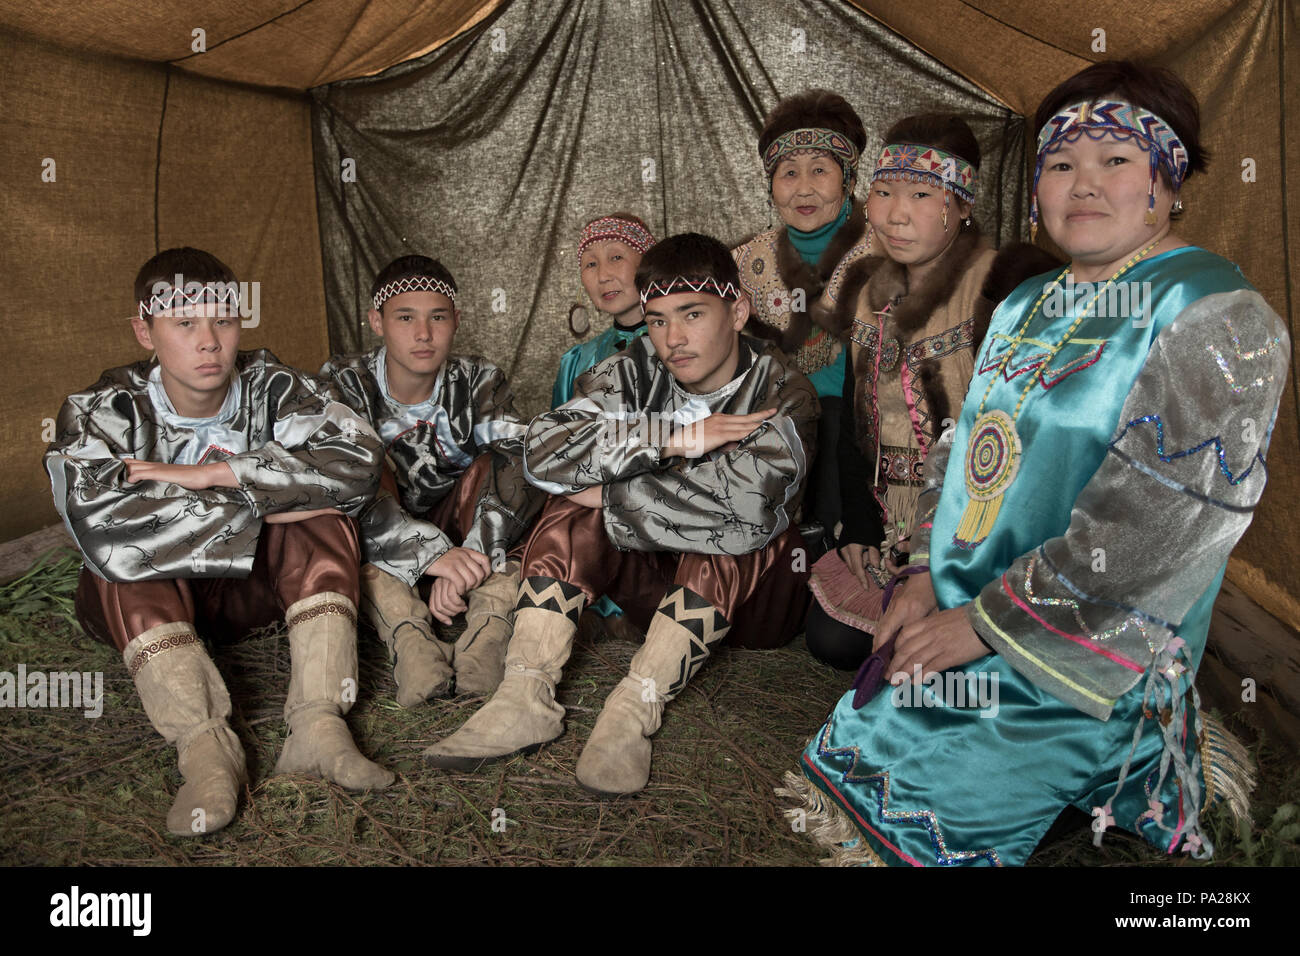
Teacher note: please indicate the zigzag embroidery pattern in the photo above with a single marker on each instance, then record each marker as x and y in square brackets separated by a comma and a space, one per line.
[1074, 606]
[1221, 360]
[684, 284]
[1049, 378]
[1216, 441]
[926, 818]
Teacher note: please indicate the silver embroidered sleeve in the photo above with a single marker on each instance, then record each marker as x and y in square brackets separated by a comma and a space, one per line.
[597, 437]
[936, 463]
[731, 502]
[147, 530]
[508, 503]
[323, 454]
[398, 542]
[1151, 532]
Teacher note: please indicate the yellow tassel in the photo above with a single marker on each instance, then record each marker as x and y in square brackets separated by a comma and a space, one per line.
[978, 519]
[1150, 217]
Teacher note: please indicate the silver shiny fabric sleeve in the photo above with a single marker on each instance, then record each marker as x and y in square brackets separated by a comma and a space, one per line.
[1083, 614]
[598, 436]
[322, 455]
[508, 503]
[936, 463]
[147, 530]
[398, 542]
[731, 502]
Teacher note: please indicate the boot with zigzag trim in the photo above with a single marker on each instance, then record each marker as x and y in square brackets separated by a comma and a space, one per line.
[522, 714]
[616, 759]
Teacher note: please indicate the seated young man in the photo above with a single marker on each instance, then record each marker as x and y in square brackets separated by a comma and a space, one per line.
[210, 492]
[675, 471]
[454, 500]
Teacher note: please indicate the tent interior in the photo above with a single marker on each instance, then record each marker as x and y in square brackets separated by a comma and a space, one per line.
[307, 143]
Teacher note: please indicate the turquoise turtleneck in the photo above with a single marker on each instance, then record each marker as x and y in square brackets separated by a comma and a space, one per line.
[811, 245]
[828, 381]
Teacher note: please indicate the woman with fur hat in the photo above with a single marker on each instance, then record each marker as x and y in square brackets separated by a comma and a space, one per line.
[810, 144]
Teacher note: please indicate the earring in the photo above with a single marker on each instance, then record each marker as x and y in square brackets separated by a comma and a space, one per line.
[1178, 206]
[967, 222]
[945, 217]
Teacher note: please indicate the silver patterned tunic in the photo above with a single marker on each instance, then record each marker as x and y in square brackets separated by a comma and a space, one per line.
[428, 446]
[290, 446]
[726, 502]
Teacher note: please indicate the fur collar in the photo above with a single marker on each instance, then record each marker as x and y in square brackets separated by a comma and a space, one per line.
[797, 274]
[917, 305]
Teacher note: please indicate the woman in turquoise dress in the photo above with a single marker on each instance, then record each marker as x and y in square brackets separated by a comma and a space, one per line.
[1079, 517]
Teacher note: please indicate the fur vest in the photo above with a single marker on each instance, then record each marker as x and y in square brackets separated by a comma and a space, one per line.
[791, 300]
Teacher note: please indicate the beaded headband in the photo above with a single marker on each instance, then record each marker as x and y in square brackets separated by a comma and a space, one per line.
[224, 294]
[814, 138]
[688, 284]
[612, 227]
[912, 162]
[1121, 120]
[413, 284]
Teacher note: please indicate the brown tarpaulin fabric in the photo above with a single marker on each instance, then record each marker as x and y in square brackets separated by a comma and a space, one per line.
[99, 118]
[227, 169]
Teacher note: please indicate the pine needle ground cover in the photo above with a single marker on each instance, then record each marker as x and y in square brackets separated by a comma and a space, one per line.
[95, 791]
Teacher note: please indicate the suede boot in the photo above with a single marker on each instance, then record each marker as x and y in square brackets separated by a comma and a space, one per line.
[188, 704]
[480, 659]
[522, 714]
[616, 759]
[421, 662]
[322, 688]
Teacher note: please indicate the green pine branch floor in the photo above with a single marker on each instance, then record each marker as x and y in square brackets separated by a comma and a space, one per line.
[78, 791]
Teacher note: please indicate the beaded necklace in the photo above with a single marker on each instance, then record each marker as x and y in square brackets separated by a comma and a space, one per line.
[994, 450]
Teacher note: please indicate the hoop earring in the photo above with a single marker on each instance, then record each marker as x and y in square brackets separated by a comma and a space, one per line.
[577, 334]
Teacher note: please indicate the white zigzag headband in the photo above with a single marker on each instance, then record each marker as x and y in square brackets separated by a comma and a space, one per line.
[215, 293]
[685, 284]
[413, 284]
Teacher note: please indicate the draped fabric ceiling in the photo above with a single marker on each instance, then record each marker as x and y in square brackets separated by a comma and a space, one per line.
[151, 141]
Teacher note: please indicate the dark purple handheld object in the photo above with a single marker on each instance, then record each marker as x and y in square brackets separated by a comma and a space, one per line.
[871, 675]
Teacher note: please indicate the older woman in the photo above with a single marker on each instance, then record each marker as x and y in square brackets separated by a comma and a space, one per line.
[1107, 458]
[809, 145]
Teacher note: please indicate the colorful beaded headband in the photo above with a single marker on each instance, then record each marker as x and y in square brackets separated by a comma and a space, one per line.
[1121, 120]
[612, 227]
[164, 297]
[414, 284]
[688, 284]
[816, 138]
[916, 163]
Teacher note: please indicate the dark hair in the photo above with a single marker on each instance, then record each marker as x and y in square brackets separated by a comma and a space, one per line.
[945, 131]
[687, 254]
[1153, 88]
[813, 109]
[193, 265]
[410, 267]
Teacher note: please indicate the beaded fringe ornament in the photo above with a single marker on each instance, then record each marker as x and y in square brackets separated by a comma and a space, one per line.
[992, 463]
[827, 824]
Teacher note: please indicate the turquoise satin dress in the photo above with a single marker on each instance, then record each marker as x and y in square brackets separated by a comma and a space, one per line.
[581, 358]
[944, 785]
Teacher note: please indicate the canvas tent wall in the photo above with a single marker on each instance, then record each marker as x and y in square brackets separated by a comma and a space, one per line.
[155, 143]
